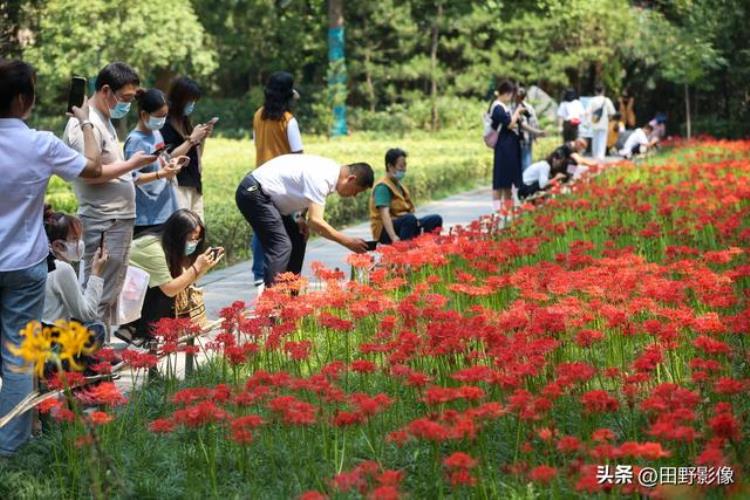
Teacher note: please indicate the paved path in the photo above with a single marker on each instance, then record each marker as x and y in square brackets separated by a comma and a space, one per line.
[222, 287]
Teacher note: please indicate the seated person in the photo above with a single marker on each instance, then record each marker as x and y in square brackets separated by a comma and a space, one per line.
[175, 256]
[638, 142]
[391, 209]
[536, 178]
[658, 129]
[63, 296]
[616, 127]
[575, 163]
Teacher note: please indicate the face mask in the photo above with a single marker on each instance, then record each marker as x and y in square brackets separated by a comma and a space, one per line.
[190, 247]
[73, 250]
[120, 110]
[155, 123]
[399, 175]
[189, 107]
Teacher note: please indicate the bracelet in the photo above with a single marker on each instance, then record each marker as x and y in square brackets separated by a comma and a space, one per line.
[157, 174]
[194, 269]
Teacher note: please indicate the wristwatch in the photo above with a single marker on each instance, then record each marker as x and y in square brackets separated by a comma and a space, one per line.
[85, 122]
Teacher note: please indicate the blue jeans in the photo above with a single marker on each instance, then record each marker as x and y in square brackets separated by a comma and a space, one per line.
[21, 301]
[259, 267]
[525, 155]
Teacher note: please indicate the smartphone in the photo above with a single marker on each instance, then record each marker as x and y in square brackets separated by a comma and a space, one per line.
[213, 120]
[215, 251]
[101, 240]
[371, 245]
[77, 92]
[158, 151]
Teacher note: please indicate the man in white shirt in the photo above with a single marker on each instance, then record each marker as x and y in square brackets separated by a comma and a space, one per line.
[272, 197]
[637, 142]
[599, 110]
[28, 159]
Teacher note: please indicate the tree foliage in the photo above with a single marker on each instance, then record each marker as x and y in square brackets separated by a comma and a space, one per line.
[402, 52]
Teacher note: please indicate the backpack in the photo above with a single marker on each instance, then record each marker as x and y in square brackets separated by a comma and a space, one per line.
[490, 134]
[599, 112]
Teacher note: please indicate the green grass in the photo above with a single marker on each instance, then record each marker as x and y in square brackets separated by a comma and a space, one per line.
[439, 165]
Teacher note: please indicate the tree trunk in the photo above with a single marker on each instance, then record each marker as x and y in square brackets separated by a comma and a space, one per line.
[687, 112]
[368, 80]
[337, 67]
[433, 64]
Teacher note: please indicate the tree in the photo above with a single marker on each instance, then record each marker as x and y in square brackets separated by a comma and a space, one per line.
[74, 37]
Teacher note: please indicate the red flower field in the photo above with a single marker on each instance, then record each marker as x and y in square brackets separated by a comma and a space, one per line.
[596, 342]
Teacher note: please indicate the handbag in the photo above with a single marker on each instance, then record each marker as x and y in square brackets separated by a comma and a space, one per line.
[189, 303]
[490, 134]
[130, 301]
[599, 112]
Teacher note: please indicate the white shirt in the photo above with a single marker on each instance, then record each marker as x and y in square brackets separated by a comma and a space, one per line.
[294, 181]
[609, 110]
[293, 136]
[637, 138]
[28, 158]
[537, 172]
[64, 299]
[571, 110]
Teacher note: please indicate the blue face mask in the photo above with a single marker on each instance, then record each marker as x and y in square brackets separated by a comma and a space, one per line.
[155, 123]
[120, 110]
[189, 107]
[190, 247]
[399, 175]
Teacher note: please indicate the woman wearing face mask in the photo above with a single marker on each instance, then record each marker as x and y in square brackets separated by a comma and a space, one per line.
[182, 138]
[155, 192]
[175, 256]
[392, 215]
[63, 296]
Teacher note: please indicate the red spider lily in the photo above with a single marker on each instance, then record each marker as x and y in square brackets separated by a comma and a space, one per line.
[100, 418]
[294, 412]
[61, 380]
[459, 460]
[48, 405]
[107, 393]
[200, 414]
[335, 323]
[312, 495]
[649, 451]
[139, 360]
[598, 401]
[298, 351]
[161, 426]
[363, 366]
[543, 474]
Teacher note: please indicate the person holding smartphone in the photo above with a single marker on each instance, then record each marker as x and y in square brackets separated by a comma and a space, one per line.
[107, 204]
[175, 257]
[392, 215]
[28, 158]
[155, 187]
[184, 139]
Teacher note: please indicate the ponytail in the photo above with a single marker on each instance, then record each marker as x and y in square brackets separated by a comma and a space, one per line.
[58, 225]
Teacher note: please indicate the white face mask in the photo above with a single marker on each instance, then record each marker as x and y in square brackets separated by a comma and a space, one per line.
[73, 250]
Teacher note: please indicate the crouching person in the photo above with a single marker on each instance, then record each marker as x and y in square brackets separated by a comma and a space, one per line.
[63, 296]
[175, 257]
[541, 175]
[391, 209]
[274, 197]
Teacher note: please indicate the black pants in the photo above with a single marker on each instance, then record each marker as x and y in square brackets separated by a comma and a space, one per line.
[408, 226]
[527, 190]
[283, 244]
[139, 230]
